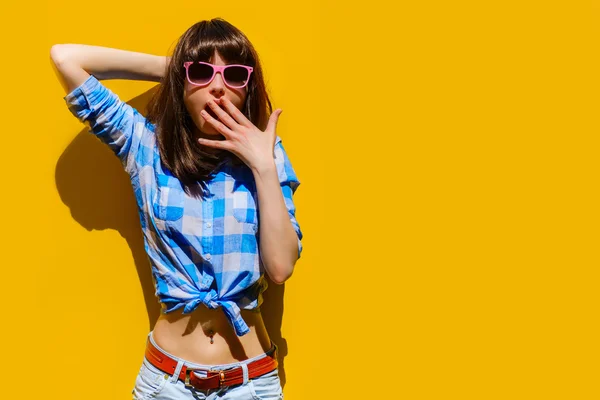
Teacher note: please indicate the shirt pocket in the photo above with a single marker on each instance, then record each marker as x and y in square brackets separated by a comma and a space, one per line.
[169, 200]
[245, 208]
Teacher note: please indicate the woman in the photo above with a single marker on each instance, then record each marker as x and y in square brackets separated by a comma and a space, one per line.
[203, 163]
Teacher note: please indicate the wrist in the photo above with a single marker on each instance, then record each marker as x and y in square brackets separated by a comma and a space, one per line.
[162, 67]
[264, 167]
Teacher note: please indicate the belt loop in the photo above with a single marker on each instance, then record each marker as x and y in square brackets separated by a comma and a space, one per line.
[245, 372]
[175, 375]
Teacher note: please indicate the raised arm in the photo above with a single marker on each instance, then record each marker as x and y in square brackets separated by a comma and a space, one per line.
[110, 119]
[75, 63]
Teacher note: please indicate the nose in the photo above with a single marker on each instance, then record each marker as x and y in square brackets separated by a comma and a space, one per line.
[217, 86]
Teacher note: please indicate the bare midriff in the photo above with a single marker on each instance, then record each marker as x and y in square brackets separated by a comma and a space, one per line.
[188, 336]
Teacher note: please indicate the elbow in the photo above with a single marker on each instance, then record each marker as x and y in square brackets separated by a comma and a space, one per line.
[283, 275]
[283, 269]
[279, 281]
[57, 53]
[62, 53]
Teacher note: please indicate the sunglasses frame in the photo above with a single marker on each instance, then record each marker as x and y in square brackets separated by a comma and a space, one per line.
[216, 68]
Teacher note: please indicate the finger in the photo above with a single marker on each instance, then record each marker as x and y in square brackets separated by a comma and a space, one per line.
[223, 116]
[236, 113]
[218, 125]
[216, 144]
[273, 119]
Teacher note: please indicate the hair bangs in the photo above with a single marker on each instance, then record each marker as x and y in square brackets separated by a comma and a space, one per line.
[215, 36]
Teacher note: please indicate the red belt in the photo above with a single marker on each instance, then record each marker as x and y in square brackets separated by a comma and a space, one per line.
[214, 379]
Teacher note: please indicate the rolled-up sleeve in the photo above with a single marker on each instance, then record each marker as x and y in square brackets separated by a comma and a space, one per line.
[289, 184]
[111, 120]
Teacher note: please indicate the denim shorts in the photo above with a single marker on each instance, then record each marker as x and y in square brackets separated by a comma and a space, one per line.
[153, 383]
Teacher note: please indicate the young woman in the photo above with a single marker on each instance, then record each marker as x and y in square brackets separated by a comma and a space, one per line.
[207, 169]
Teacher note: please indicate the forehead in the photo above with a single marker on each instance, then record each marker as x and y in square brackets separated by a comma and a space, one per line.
[216, 58]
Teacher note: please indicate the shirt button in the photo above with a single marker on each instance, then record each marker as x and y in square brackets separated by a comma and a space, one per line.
[208, 256]
[208, 224]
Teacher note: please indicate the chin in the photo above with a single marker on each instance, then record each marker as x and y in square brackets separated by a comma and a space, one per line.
[209, 130]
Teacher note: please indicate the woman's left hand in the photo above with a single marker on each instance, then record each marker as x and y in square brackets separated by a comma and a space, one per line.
[253, 146]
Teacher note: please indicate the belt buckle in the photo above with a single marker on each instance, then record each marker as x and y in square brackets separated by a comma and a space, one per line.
[187, 375]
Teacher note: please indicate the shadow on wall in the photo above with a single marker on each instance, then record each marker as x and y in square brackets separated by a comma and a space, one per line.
[93, 184]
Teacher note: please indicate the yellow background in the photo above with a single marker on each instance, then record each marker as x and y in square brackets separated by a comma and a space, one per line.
[448, 153]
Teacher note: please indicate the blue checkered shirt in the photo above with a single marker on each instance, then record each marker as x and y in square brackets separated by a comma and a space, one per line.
[202, 251]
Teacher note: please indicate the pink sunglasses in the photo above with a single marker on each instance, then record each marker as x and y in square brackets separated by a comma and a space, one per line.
[202, 73]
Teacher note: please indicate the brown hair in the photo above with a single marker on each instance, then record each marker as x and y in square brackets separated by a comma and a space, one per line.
[179, 152]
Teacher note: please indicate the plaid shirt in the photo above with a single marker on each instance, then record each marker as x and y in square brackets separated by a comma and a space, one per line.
[202, 251]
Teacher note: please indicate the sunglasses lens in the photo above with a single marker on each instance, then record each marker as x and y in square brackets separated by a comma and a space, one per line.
[236, 76]
[200, 73]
